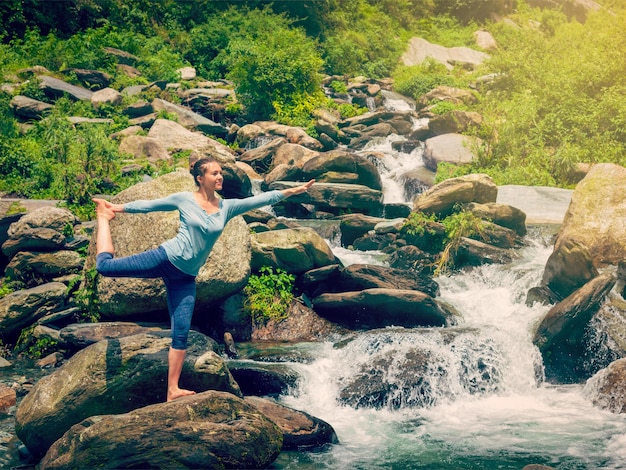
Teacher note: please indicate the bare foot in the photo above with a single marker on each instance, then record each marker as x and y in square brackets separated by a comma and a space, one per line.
[102, 209]
[179, 392]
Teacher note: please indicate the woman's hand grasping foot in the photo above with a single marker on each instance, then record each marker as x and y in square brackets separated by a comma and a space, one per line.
[103, 209]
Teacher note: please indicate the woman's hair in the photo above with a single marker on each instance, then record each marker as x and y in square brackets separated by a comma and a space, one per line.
[197, 169]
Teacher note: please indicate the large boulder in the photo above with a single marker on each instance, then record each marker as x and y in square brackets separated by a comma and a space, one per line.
[594, 223]
[420, 49]
[209, 430]
[560, 336]
[175, 137]
[30, 267]
[55, 88]
[341, 161]
[24, 307]
[300, 430]
[336, 197]
[225, 272]
[457, 149]
[607, 388]
[114, 376]
[442, 198]
[28, 108]
[381, 307]
[293, 250]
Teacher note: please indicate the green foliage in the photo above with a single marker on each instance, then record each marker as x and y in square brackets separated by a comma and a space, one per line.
[87, 297]
[35, 348]
[281, 66]
[5, 288]
[269, 295]
[298, 110]
[358, 41]
[338, 86]
[559, 98]
[417, 223]
[458, 225]
[417, 80]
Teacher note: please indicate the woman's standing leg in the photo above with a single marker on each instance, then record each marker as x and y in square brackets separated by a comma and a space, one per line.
[181, 299]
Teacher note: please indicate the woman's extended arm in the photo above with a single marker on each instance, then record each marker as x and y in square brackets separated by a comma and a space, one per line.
[298, 189]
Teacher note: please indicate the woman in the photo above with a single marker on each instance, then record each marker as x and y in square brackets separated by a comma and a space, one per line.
[203, 216]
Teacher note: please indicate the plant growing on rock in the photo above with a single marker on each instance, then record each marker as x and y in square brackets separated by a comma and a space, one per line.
[458, 225]
[269, 295]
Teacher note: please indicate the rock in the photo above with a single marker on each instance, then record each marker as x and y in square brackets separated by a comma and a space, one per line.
[301, 431]
[341, 161]
[90, 78]
[137, 109]
[175, 137]
[476, 253]
[8, 398]
[43, 217]
[261, 158]
[187, 73]
[441, 198]
[190, 119]
[560, 335]
[30, 266]
[501, 214]
[122, 57]
[454, 122]
[377, 308]
[33, 239]
[263, 379]
[485, 40]
[140, 146]
[542, 205]
[55, 88]
[368, 276]
[591, 231]
[568, 268]
[106, 96]
[81, 335]
[420, 49]
[28, 108]
[336, 196]
[114, 376]
[607, 388]
[293, 250]
[24, 307]
[353, 226]
[207, 430]
[457, 149]
[301, 325]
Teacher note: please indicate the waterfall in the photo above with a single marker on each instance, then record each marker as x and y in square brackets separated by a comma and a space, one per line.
[465, 397]
[480, 404]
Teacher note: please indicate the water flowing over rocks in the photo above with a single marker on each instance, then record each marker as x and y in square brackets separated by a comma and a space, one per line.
[560, 335]
[104, 393]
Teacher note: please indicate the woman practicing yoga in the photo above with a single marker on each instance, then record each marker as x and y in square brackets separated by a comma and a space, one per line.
[203, 216]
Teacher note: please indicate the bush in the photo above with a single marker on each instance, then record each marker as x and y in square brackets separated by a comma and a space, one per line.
[269, 295]
[281, 66]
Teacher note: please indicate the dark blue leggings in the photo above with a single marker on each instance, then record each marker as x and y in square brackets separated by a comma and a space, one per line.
[180, 287]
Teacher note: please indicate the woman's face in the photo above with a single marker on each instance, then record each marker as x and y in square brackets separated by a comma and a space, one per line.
[212, 178]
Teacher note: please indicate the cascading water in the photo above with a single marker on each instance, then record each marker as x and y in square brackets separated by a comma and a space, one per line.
[463, 397]
[480, 403]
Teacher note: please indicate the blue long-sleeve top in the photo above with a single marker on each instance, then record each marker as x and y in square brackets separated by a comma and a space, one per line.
[198, 231]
